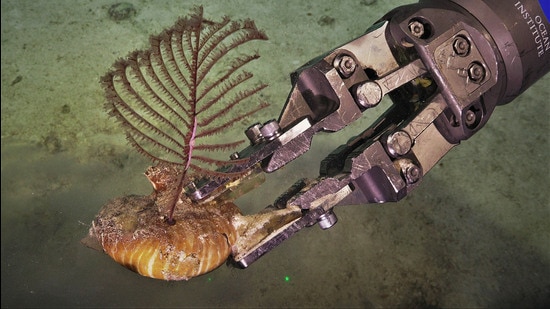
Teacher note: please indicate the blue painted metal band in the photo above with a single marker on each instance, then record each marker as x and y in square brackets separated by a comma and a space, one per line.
[545, 5]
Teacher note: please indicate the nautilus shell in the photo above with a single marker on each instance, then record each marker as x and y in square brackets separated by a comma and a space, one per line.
[133, 231]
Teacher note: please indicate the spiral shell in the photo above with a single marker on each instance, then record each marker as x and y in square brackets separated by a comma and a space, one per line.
[132, 231]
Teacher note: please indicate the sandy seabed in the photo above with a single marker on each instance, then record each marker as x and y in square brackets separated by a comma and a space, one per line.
[474, 234]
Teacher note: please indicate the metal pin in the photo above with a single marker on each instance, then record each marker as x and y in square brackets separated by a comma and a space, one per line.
[398, 143]
[368, 94]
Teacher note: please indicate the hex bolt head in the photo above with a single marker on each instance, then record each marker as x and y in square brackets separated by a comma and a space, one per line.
[327, 220]
[254, 134]
[461, 46]
[476, 72]
[191, 187]
[234, 156]
[345, 65]
[192, 191]
[368, 94]
[470, 118]
[398, 143]
[412, 174]
[271, 130]
[416, 28]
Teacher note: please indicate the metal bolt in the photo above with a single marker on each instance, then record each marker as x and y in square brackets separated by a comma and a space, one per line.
[327, 220]
[412, 174]
[368, 94]
[410, 171]
[345, 65]
[270, 130]
[253, 133]
[476, 72]
[193, 191]
[461, 46]
[470, 117]
[234, 156]
[416, 28]
[191, 187]
[398, 143]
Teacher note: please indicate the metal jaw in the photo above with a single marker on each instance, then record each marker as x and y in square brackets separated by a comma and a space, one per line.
[381, 164]
[435, 84]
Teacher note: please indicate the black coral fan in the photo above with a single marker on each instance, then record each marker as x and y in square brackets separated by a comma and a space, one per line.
[188, 86]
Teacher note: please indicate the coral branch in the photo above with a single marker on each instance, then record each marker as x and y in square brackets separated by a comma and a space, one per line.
[190, 84]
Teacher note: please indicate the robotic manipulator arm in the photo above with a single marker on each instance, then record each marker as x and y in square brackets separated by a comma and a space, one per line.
[445, 65]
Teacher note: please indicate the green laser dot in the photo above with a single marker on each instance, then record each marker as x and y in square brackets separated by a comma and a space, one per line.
[287, 278]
